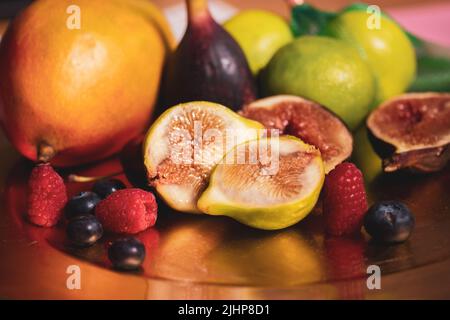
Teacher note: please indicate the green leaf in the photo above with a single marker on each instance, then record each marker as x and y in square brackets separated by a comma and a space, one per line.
[357, 6]
[307, 20]
[433, 74]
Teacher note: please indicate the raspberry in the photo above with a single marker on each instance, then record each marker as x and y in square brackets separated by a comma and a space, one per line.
[127, 211]
[345, 200]
[47, 196]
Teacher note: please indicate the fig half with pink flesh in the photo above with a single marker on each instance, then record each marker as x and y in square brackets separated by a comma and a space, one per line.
[307, 120]
[184, 145]
[412, 131]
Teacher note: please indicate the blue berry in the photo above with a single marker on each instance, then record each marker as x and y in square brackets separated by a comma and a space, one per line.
[82, 204]
[126, 253]
[84, 231]
[106, 187]
[389, 222]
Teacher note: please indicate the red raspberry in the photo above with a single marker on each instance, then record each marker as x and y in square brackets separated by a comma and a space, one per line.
[127, 211]
[345, 200]
[47, 196]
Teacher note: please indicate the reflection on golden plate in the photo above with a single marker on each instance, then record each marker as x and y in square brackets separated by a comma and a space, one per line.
[3, 26]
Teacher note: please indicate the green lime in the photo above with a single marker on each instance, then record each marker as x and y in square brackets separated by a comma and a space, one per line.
[383, 44]
[325, 70]
[260, 34]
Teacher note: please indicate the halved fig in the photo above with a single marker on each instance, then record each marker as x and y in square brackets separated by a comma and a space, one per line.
[412, 131]
[275, 186]
[307, 120]
[185, 143]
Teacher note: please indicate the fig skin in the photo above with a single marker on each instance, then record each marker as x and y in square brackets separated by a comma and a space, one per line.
[285, 113]
[427, 159]
[208, 65]
[131, 159]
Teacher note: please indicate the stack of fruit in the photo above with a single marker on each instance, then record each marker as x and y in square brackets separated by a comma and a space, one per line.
[110, 206]
[73, 96]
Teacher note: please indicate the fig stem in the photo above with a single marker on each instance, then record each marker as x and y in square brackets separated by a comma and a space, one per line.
[83, 179]
[197, 9]
[45, 152]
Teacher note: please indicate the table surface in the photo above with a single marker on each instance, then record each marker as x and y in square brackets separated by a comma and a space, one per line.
[200, 257]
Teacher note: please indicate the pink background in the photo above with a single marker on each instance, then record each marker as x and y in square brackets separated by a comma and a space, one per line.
[428, 21]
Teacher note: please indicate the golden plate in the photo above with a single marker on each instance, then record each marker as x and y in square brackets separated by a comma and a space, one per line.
[202, 257]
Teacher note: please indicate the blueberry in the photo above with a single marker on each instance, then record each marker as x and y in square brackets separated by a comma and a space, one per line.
[84, 231]
[82, 204]
[126, 253]
[105, 187]
[389, 222]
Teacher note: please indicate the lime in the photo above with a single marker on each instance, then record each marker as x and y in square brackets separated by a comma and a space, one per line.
[276, 190]
[260, 34]
[386, 48]
[326, 70]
